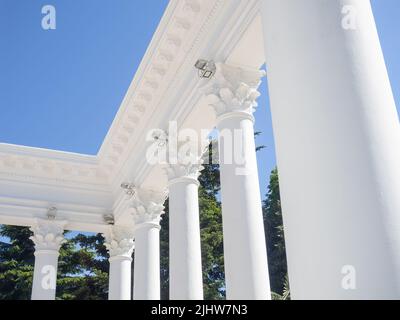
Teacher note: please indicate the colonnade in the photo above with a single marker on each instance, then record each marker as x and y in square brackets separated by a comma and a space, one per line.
[337, 139]
[245, 253]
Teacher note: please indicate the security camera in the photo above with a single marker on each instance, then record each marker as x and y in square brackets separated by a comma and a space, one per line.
[108, 218]
[129, 188]
[206, 68]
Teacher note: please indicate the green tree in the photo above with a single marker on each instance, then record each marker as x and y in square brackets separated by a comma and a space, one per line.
[275, 239]
[16, 264]
[82, 269]
[211, 227]
[212, 246]
[164, 253]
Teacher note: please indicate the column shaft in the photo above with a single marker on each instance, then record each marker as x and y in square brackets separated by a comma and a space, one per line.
[120, 278]
[147, 262]
[337, 138]
[45, 275]
[186, 282]
[246, 268]
[48, 238]
[120, 245]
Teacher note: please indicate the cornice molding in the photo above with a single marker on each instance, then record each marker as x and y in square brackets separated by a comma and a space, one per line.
[198, 16]
[25, 212]
[226, 22]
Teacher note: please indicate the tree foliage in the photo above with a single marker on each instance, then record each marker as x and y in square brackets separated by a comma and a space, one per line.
[275, 239]
[16, 264]
[82, 269]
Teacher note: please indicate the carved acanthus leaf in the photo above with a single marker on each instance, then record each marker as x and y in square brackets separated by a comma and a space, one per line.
[233, 89]
[147, 206]
[184, 158]
[119, 241]
[190, 170]
[48, 234]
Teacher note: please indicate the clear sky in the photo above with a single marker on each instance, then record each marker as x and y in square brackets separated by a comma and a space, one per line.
[61, 89]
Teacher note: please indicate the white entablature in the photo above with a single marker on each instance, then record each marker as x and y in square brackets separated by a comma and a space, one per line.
[165, 87]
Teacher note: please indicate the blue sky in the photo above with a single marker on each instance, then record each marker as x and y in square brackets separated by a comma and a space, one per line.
[61, 89]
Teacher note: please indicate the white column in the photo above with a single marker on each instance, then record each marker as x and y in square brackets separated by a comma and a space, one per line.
[48, 238]
[185, 272]
[147, 207]
[120, 245]
[337, 141]
[232, 93]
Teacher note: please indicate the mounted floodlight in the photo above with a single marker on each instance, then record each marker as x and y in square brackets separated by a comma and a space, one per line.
[108, 218]
[129, 188]
[51, 213]
[205, 68]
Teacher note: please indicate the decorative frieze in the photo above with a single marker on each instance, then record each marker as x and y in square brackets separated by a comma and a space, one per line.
[57, 170]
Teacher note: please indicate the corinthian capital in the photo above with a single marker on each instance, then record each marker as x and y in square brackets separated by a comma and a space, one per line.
[48, 234]
[147, 206]
[233, 89]
[186, 162]
[119, 241]
[180, 170]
